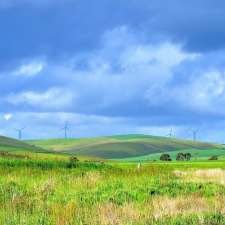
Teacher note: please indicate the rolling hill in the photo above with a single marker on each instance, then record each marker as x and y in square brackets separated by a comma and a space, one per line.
[13, 145]
[129, 147]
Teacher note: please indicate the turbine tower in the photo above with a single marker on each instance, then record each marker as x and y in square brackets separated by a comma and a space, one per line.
[194, 133]
[20, 132]
[65, 128]
[171, 132]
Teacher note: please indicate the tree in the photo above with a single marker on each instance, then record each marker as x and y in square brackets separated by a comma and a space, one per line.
[188, 156]
[183, 156]
[165, 157]
[180, 156]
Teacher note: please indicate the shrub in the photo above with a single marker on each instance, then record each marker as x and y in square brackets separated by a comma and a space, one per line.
[74, 159]
[214, 157]
[73, 162]
[165, 157]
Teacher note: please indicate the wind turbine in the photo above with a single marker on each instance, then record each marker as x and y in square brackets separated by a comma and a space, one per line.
[170, 134]
[65, 128]
[194, 133]
[20, 132]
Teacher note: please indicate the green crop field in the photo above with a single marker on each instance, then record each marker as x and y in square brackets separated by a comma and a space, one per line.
[56, 188]
[133, 147]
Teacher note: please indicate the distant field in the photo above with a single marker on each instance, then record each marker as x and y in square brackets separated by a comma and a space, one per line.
[133, 147]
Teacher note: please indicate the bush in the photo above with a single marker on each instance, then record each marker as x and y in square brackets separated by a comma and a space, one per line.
[165, 157]
[74, 159]
[73, 162]
[214, 157]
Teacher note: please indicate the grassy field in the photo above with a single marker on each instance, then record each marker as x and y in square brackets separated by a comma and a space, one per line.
[130, 147]
[41, 187]
[49, 189]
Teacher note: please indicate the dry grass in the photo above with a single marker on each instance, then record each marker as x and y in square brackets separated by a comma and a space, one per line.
[92, 178]
[158, 208]
[111, 214]
[63, 215]
[165, 206]
[203, 175]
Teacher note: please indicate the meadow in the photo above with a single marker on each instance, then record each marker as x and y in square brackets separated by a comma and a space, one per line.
[55, 189]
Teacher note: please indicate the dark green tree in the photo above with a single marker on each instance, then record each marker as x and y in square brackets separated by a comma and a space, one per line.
[165, 157]
[183, 156]
[180, 156]
[188, 156]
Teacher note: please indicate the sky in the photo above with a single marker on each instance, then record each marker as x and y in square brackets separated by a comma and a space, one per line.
[112, 67]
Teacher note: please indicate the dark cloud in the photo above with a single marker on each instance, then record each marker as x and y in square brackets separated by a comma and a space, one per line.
[59, 30]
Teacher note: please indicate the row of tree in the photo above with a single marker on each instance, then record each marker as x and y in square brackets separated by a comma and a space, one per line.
[180, 157]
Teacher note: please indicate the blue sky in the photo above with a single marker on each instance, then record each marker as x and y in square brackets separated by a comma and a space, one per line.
[111, 67]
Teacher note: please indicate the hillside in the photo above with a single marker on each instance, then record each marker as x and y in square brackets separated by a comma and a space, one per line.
[11, 145]
[128, 146]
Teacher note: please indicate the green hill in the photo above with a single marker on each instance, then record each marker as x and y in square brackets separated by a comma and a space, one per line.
[129, 146]
[13, 145]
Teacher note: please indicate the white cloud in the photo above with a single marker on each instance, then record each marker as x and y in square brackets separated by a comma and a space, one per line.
[165, 54]
[54, 98]
[205, 92]
[7, 116]
[123, 69]
[29, 69]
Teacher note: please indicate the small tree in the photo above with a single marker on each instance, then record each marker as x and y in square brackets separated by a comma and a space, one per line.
[165, 157]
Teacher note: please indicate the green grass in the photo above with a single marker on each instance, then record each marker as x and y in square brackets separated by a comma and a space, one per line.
[129, 146]
[47, 189]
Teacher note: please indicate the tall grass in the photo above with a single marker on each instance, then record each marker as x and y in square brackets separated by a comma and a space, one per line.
[34, 191]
